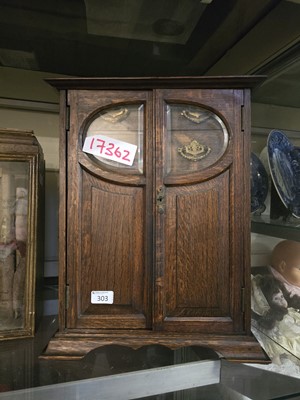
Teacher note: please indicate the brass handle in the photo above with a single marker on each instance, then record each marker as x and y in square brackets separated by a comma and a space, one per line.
[194, 151]
[195, 116]
[160, 199]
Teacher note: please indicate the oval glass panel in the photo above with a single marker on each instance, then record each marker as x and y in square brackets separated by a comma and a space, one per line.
[196, 138]
[116, 136]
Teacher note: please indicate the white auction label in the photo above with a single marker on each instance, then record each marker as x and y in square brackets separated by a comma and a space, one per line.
[111, 149]
[102, 297]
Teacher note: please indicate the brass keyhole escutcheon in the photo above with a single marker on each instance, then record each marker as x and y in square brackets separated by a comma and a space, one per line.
[160, 199]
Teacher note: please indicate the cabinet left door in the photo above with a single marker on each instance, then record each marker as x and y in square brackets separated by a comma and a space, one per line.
[108, 186]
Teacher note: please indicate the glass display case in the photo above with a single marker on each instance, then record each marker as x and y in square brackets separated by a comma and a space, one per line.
[119, 372]
[21, 245]
[276, 231]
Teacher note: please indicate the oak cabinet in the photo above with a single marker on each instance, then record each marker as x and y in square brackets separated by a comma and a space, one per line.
[155, 214]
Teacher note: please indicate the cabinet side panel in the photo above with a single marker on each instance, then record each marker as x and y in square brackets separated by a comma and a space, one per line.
[62, 218]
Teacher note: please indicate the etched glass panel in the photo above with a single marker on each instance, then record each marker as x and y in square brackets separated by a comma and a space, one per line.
[120, 143]
[196, 138]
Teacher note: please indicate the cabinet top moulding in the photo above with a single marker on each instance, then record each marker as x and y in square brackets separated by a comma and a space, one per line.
[186, 82]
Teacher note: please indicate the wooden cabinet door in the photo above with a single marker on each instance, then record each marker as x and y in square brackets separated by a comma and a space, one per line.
[109, 227]
[202, 210]
[167, 234]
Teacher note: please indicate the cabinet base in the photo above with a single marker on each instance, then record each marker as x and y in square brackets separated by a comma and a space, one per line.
[74, 345]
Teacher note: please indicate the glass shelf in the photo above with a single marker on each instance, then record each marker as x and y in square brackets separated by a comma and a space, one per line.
[118, 372]
[286, 229]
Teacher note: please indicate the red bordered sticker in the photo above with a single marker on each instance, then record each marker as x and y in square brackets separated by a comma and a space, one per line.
[111, 149]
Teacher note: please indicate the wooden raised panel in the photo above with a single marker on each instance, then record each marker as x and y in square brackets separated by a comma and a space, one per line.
[112, 253]
[197, 267]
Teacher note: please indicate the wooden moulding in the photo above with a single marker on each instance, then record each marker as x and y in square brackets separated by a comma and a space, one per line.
[142, 83]
[68, 346]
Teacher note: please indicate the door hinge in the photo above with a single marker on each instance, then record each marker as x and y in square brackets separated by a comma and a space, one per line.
[67, 122]
[243, 293]
[67, 295]
[242, 118]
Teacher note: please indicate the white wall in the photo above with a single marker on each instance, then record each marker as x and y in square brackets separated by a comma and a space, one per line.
[28, 102]
[27, 85]
[266, 117]
[44, 124]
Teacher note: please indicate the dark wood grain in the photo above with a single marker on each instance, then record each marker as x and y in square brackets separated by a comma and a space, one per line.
[141, 83]
[74, 345]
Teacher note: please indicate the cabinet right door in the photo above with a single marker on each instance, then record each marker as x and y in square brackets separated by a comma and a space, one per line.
[202, 210]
